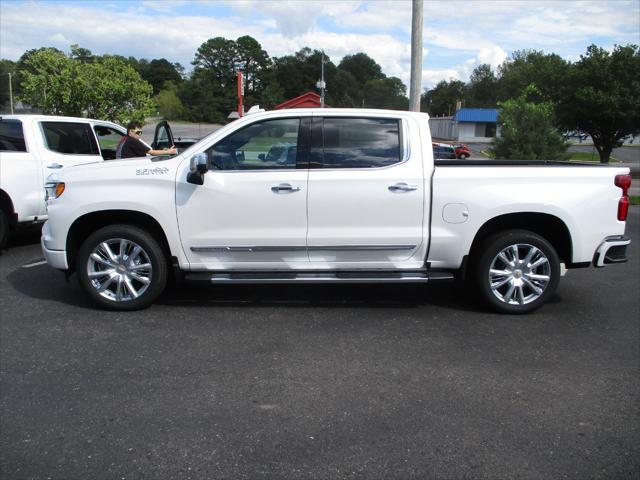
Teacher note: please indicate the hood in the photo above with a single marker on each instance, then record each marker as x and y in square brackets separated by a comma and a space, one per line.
[124, 168]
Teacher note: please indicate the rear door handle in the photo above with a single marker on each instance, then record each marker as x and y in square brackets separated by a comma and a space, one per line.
[402, 187]
[284, 187]
[54, 165]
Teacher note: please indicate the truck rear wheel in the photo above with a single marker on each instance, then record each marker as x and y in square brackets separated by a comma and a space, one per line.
[517, 271]
[4, 229]
[122, 267]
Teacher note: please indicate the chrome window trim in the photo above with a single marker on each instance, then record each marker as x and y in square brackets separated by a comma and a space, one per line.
[404, 145]
[299, 118]
[213, 249]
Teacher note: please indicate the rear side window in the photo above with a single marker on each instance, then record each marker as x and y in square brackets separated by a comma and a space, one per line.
[70, 138]
[12, 136]
[357, 143]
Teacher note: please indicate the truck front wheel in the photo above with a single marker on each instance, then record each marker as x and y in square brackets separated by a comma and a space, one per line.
[517, 271]
[122, 267]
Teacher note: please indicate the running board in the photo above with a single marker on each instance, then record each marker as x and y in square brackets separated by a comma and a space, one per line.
[319, 277]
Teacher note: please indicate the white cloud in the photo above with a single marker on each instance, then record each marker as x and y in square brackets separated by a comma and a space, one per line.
[163, 5]
[493, 55]
[459, 35]
[59, 38]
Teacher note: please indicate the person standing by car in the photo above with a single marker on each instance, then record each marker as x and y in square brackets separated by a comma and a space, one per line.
[132, 145]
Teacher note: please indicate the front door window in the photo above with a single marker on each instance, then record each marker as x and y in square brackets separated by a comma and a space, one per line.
[268, 145]
[108, 140]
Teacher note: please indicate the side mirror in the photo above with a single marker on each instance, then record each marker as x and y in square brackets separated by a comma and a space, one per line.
[198, 167]
[262, 157]
[199, 163]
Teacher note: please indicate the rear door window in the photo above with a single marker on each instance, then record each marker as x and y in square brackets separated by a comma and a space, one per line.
[70, 138]
[356, 143]
[12, 136]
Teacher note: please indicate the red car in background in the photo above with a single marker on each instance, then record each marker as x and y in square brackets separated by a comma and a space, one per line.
[462, 151]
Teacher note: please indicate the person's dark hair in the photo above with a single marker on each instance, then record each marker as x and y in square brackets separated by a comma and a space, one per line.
[133, 125]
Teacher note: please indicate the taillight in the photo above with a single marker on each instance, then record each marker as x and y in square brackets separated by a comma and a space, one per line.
[623, 182]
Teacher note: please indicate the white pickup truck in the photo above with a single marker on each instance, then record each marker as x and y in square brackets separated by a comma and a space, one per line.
[357, 199]
[34, 146]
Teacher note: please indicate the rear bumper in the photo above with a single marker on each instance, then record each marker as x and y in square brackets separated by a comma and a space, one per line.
[611, 250]
[55, 258]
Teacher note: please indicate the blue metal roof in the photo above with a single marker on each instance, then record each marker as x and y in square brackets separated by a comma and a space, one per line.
[477, 115]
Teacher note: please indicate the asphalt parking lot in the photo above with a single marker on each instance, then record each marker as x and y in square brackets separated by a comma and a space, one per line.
[318, 382]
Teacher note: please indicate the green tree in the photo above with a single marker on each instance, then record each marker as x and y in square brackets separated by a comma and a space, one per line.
[298, 73]
[168, 102]
[204, 99]
[253, 61]
[107, 88]
[159, 71]
[387, 93]
[603, 99]
[8, 67]
[482, 88]
[527, 130]
[83, 55]
[49, 81]
[111, 89]
[210, 93]
[548, 72]
[219, 57]
[344, 91]
[441, 100]
[362, 67]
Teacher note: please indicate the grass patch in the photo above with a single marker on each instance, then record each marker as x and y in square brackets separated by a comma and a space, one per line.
[588, 157]
[634, 199]
[573, 157]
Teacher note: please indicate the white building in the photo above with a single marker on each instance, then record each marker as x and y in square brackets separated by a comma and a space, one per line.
[467, 125]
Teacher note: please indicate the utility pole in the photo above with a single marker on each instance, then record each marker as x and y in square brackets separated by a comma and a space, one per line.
[416, 56]
[321, 84]
[10, 94]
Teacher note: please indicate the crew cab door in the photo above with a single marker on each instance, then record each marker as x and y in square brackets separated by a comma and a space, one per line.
[366, 199]
[20, 170]
[65, 143]
[250, 213]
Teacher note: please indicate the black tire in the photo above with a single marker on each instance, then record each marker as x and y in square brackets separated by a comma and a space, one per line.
[4, 229]
[524, 286]
[133, 279]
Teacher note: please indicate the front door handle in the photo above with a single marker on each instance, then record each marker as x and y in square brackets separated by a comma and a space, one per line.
[54, 165]
[402, 187]
[284, 187]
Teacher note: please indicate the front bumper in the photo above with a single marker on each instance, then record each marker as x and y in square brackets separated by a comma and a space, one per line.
[611, 250]
[55, 258]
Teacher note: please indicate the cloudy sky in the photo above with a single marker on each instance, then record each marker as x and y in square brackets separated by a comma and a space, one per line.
[458, 35]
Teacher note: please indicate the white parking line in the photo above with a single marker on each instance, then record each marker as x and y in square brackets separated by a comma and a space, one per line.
[34, 264]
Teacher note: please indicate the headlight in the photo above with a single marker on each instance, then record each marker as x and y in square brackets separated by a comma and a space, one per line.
[53, 190]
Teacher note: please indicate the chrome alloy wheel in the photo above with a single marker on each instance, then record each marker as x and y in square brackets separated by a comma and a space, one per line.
[519, 274]
[119, 270]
